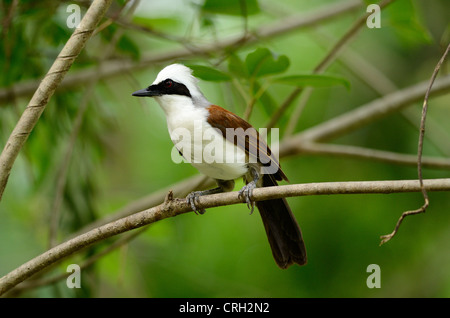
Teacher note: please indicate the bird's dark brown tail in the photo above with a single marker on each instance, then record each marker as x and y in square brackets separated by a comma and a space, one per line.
[282, 229]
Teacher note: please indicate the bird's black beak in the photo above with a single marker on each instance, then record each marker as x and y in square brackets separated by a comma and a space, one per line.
[148, 92]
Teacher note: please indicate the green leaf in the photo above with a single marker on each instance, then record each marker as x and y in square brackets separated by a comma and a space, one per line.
[406, 23]
[263, 62]
[126, 45]
[236, 66]
[231, 7]
[157, 23]
[209, 74]
[315, 80]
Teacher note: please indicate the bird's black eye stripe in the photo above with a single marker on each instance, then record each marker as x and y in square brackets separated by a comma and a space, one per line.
[170, 87]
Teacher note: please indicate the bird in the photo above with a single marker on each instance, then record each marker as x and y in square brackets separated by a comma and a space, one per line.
[239, 152]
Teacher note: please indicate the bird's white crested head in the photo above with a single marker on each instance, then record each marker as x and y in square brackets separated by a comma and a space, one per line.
[181, 75]
[178, 73]
[175, 88]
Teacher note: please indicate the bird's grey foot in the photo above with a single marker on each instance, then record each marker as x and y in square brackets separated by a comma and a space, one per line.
[246, 193]
[192, 199]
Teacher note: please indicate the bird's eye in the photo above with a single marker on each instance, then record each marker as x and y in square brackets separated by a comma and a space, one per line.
[168, 84]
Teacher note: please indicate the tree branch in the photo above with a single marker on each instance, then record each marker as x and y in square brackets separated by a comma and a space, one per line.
[362, 115]
[47, 87]
[180, 190]
[173, 207]
[371, 154]
[119, 67]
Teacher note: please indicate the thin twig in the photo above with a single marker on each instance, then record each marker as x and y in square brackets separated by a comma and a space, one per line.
[312, 148]
[422, 209]
[113, 18]
[254, 99]
[296, 114]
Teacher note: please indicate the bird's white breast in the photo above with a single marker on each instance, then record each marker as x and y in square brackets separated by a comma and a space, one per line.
[201, 145]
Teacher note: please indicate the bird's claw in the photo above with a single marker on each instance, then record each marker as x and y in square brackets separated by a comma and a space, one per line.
[192, 200]
[246, 193]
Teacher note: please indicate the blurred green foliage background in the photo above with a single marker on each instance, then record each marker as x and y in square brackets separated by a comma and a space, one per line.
[120, 152]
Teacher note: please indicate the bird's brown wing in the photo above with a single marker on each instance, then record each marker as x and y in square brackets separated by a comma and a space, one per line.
[243, 135]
